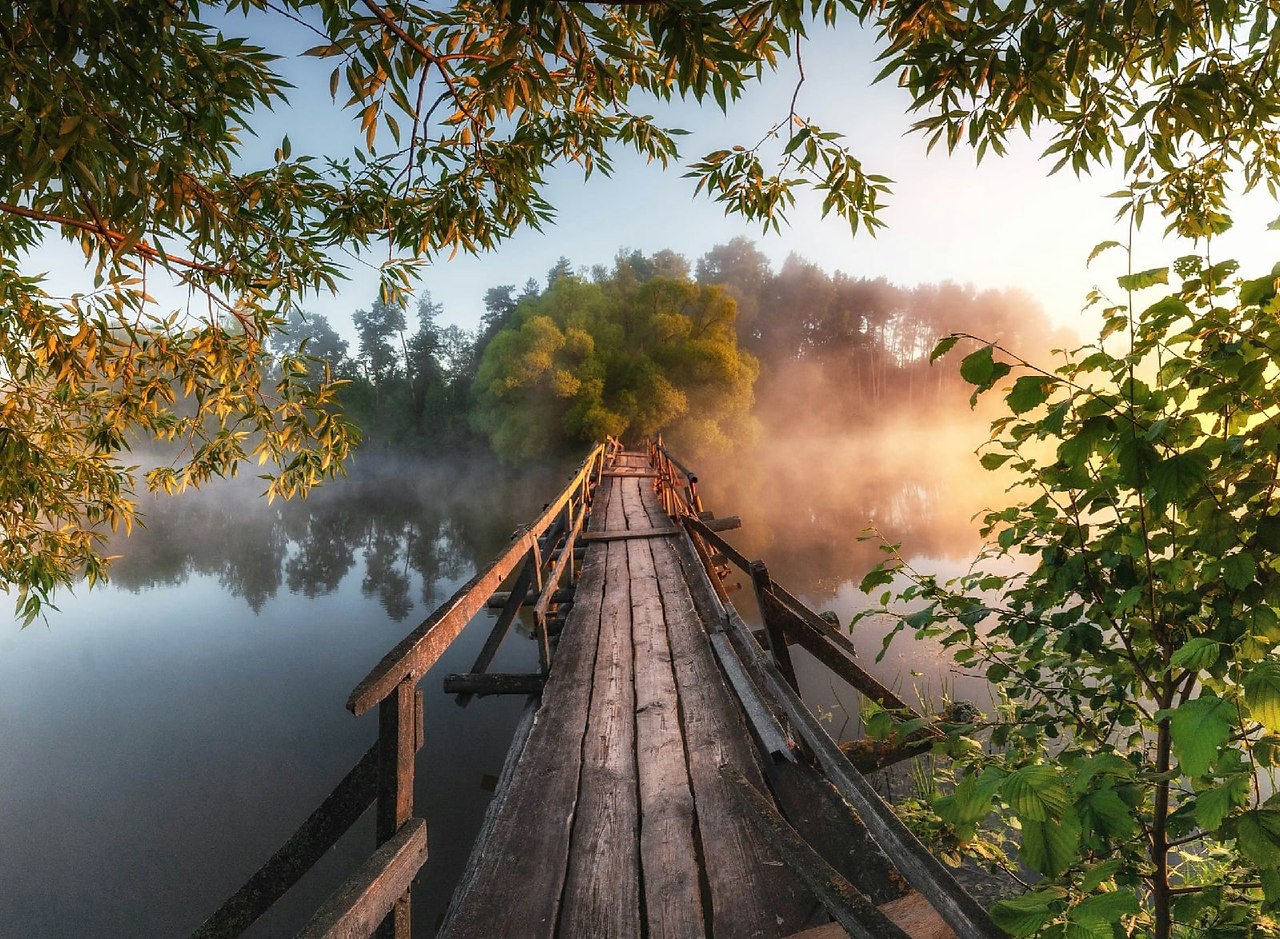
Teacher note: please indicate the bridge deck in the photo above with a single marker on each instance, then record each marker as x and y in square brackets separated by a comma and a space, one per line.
[616, 820]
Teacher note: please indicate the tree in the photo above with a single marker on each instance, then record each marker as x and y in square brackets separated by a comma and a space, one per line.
[310, 334]
[616, 356]
[1137, 640]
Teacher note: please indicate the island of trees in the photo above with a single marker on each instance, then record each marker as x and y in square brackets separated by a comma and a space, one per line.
[709, 353]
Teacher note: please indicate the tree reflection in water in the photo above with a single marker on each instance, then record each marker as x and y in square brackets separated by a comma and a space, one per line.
[404, 521]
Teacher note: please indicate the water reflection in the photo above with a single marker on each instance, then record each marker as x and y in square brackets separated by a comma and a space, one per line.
[404, 523]
[162, 736]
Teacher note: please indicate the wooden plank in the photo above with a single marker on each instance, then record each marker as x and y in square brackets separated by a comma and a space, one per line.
[397, 722]
[750, 894]
[356, 908]
[832, 654]
[713, 538]
[484, 683]
[769, 735]
[808, 800]
[418, 651]
[920, 868]
[668, 852]
[313, 838]
[602, 891]
[824, 820]
[519, 869]
[847, 905]
[631, 474]
[631, 534]
[492, 813]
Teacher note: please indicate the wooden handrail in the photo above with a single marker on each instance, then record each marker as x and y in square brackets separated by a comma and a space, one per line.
[418, 651]
[359, 905]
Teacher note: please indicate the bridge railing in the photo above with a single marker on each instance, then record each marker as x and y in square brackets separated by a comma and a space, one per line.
[376, 898]
[786, 619]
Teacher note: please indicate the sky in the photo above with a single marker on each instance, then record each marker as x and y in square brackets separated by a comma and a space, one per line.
[1003, 224]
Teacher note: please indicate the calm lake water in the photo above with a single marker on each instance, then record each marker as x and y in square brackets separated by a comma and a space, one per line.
[163, 735]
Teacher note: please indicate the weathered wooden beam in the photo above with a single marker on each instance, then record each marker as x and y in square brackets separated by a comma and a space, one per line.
[397, 750]
[356, 908]
[494, 683]
[920, 868]
[728, 523]
[315, 836]
[418, 651]
[631, 474]
[820, 644]
[631, 534]
[847, 905]
[712, 538]
[774, 624]
[499, 600]
[764, 726]
[519, 593]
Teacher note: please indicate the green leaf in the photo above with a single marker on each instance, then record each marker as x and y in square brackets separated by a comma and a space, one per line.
[1238, 570]
[1050, 847]
[945, 345]
[1109, 814]
[1099, 248]
[991, 461]
[1214, 805]
[1177, 477]
[981, 369]
[1024, 915]
[1197, 654]
[1262, 694]
[1028, 392]
[1257, 291]
[1035, 793]
[878, 576]
[1142, 279]
[1095, 916]
[1199, 728]
[971, 800]
[1258, 837]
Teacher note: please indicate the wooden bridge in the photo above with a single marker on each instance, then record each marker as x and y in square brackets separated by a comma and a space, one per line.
[666, 781]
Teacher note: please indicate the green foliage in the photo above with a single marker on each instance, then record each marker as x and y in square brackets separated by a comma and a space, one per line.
[1180, 93]
[617, 355]
[1129, 611]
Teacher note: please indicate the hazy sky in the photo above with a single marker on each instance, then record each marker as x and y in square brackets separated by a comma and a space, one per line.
[1002, 224]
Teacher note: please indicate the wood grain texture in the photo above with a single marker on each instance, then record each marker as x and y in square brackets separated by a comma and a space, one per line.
[669, 855]
[356, 908]
[516, 876]
[601, 897]
[847, 905]
[752, 895]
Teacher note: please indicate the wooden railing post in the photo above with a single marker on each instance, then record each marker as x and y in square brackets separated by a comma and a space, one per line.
[773, 624]
[397, 746]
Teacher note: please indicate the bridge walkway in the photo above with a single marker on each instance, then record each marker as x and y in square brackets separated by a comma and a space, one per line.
[617, 820]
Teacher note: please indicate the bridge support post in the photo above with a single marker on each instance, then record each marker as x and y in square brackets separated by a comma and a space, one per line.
[399, 733]
[773, 624]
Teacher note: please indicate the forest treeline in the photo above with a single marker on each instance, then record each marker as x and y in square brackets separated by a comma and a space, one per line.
[709, 353]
